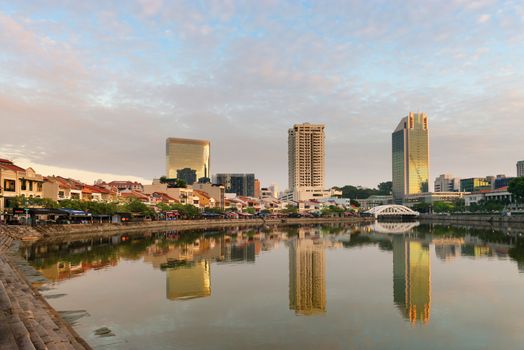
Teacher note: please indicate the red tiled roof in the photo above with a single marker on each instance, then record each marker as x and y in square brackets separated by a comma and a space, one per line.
[8, 165]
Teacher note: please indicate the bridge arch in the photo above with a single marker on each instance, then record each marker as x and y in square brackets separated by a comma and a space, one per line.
[392, 210]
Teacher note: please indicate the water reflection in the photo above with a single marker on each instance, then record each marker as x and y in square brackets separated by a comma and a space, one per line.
[188, 281]
[412, 279]
[307, 276]
[187, 258]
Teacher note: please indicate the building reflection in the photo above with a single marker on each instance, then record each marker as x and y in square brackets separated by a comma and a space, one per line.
[307, 280]
[412, 279]
[188, 280]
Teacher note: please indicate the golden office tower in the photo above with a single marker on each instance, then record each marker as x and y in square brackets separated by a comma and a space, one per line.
[410, 158]
[187, 155]
[412, 279]
[307, 278]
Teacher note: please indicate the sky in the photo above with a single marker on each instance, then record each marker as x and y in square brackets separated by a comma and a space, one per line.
[91, 89]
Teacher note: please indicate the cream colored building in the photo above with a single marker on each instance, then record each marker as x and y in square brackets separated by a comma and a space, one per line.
[306, 161]
[214, 191]
[16, 181]
[183, 195]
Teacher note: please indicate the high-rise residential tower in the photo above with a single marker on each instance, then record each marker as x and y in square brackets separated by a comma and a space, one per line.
[410, 146]
[183, 156]
[306, 157]
[520, 168]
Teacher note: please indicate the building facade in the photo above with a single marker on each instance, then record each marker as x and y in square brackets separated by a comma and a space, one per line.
[241, 184]
[215, 191]
[447, 183]
[410, 156]
[520, 168]
[475, 184]
[306, 156]
[16, 181]
[183, 154]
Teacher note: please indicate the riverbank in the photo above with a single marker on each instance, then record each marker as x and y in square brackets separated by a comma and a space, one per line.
[486, 218]
[71, 231]
[27, 321]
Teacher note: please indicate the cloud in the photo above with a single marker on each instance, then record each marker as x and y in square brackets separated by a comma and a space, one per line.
[483, 18]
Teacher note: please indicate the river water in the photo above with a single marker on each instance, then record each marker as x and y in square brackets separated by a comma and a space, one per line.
[380, 286]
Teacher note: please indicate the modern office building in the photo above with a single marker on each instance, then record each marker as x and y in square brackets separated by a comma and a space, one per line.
[412, 279]
[307, 278]
[447, 183]
[306, 161]
[475, 184]
[185, 156]
[241, 184]
[410, 148]
[501, 181]
[520, 168]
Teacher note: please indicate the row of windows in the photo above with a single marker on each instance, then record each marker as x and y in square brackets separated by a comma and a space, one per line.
[27, 185]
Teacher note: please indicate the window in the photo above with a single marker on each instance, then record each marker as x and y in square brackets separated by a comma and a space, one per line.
[39, 186]
[30, 185]
[9, 185]
[24, 185]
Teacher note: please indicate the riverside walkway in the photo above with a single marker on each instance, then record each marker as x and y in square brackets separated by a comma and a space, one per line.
[26, 319]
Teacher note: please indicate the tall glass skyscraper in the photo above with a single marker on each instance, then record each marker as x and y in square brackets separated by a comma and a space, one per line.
[185, 155]
[410, 146]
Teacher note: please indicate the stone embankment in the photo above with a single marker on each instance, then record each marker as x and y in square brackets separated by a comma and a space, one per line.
[72, 231]
[485, 218]
[26, 319]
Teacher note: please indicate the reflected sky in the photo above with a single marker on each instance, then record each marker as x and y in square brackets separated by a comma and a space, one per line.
[334, 287]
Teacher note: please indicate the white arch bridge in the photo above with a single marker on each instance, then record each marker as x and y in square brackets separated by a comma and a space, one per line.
[392, 211]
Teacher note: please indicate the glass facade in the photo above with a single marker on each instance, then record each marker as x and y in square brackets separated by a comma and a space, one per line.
[410, 156]
[241, 184]
[187, 154]
[474, 184]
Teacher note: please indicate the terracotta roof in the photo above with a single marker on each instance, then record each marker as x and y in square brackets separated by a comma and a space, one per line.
[8, 165]
[202, 193]
[134, 194]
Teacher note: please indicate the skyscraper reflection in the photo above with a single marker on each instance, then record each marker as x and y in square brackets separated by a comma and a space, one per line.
[412, 279]
[307, 279]
[189, 281]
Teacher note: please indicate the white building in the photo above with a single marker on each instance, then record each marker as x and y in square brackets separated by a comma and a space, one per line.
[447, 183]
[501, 194]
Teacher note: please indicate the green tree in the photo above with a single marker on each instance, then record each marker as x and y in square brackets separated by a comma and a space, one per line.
[516, 188]
[443, 207]
[421, 207]
[250, 210]
[385, 188]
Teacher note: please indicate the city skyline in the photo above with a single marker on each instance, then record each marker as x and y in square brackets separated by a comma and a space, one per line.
[239, 75]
